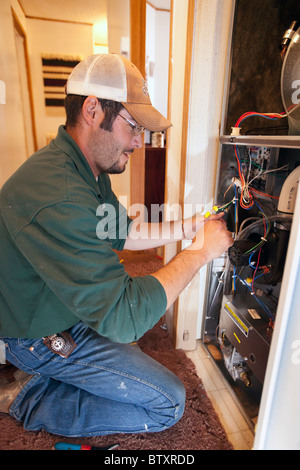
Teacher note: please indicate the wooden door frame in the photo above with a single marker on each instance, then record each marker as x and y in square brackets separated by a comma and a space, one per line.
[206, 37]
[19, 28]
[137, 56]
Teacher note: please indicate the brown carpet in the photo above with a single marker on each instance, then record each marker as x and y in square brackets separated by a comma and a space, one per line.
[198, 429]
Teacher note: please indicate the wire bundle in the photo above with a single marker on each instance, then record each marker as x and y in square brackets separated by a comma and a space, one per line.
[246, 196]
[247, 200]
[272, 116]
[248, 193]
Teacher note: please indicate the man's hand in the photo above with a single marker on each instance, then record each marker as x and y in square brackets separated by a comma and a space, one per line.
[212, 239]
[192, 225]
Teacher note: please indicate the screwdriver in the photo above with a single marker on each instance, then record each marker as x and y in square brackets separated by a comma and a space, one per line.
[67, 446]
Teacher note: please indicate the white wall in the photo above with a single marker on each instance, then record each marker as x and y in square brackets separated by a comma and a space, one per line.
[162, 61]
[57, 38]
[118, 23]
[150, 50]
[45, 37]
[42, 37]
[157, 57]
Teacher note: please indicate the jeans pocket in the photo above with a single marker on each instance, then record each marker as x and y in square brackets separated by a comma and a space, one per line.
[36, 348]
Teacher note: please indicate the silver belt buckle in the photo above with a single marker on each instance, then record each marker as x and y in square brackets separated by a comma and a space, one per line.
[60, 343]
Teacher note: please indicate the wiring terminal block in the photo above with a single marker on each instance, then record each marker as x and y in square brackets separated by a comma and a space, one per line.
[236, 131]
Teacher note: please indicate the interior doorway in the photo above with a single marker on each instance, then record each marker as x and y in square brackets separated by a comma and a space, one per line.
[149, 51]
[157, 77]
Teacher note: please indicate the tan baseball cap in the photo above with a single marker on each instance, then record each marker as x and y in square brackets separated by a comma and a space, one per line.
[113, 77]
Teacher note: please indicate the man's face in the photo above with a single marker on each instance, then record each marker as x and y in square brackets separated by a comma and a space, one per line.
[109, 151]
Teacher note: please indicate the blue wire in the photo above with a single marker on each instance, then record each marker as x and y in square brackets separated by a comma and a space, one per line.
[263, 306]
[261, 210]
[234, 278]
[266, 117]
[253, 267]
[262, 274]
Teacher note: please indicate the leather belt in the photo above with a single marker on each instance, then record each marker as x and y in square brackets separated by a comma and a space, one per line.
[60, 343]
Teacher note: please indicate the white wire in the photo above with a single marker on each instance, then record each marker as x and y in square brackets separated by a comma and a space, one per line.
[264, 172]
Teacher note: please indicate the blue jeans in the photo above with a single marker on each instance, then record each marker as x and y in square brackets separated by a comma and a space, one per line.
[101, 388]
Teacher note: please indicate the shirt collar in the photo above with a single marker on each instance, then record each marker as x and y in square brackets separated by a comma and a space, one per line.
[68, 145]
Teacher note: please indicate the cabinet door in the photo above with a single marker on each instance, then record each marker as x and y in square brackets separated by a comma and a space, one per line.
[155, 182]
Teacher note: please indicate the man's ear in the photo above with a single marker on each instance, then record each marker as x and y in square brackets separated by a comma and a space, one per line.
[92, 111]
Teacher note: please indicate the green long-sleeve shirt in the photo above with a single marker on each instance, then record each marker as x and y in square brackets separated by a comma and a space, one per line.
[57, 265]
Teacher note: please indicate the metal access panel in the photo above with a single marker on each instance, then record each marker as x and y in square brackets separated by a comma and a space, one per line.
[247, 331]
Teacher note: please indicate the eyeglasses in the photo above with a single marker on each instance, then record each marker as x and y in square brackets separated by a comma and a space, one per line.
[137, 130]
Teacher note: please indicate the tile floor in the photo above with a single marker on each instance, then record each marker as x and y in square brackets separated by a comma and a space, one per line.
[235, 425]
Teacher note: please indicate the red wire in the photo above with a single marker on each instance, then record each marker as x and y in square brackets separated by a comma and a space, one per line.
[263, 194]
[270, 115]
[253, 113]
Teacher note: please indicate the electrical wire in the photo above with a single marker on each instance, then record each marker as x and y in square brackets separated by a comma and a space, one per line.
[247, 200]
[257, 265]
[264, 194]
[267, 227]
[217, 209]
[271, 116]
[266, 222]
[265, 172]
[248, 193]
[263, 306]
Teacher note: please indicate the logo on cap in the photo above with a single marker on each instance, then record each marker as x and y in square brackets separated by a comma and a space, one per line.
[145, 88]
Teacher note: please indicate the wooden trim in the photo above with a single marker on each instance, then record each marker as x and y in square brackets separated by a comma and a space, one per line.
[137, 56]
[158, 9]
[23, 33]
[170, 81]
[173, 314]
[170, 59]
[186, 98]
[51, 19]
[18, 2]
[138, 33]
[57, 20]
[18, 24]
[185, 122]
